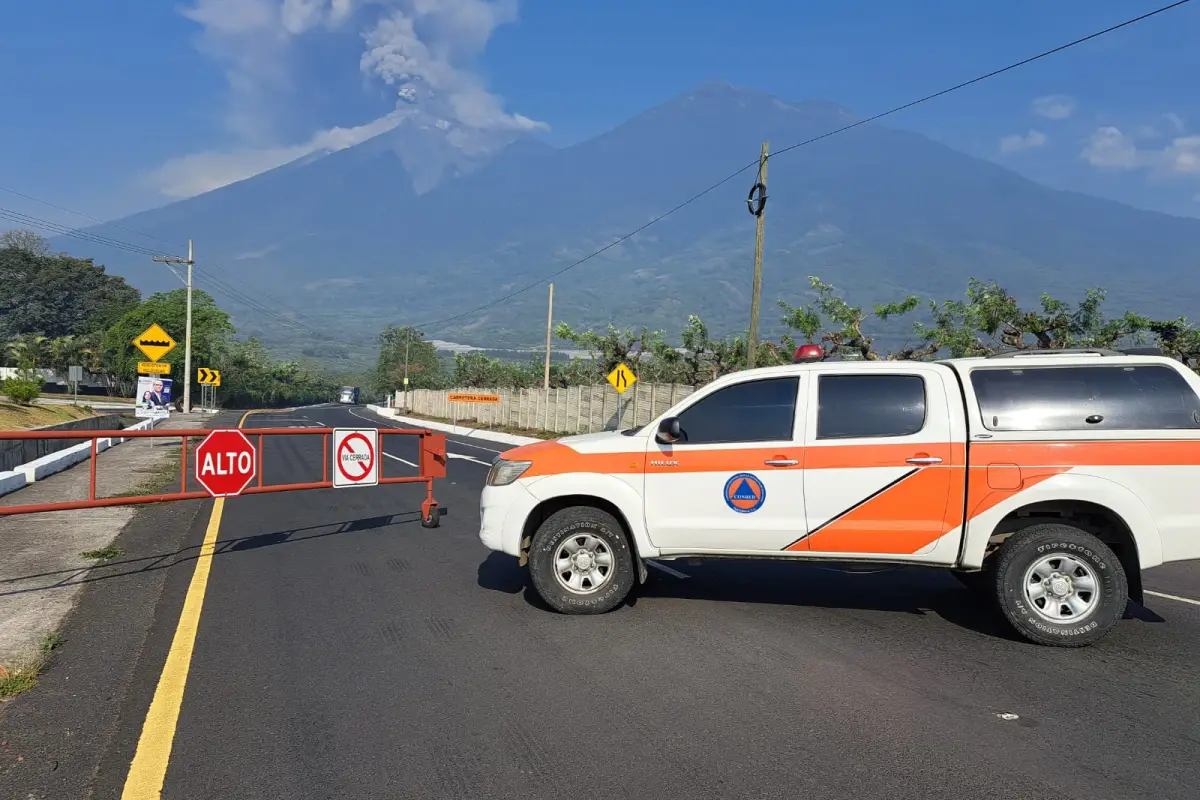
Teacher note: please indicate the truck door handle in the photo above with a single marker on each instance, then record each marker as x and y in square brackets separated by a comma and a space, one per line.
[781, 462]
[924, 460]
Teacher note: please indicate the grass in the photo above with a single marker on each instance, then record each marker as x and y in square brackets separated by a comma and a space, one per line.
[15, 417]
[161, 476]
[23, 678]
[106, 553]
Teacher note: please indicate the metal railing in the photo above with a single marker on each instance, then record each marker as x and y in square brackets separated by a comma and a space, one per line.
[431, 465]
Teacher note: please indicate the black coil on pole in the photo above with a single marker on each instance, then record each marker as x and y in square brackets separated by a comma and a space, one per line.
[756, 201]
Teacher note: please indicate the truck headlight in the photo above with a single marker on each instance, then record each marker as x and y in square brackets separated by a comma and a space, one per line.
[505, 472]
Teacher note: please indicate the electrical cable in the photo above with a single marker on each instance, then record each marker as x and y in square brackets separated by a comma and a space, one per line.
[889, 112]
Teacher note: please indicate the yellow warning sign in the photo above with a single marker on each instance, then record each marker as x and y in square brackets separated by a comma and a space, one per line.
[154, 368]
[154, 342]
[622, 378]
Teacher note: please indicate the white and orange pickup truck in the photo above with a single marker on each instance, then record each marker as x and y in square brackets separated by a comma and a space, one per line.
[1048, 479]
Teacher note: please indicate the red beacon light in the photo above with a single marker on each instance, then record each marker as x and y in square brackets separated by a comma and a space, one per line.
[808, 353]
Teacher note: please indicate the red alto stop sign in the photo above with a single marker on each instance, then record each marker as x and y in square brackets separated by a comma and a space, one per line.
[225, 462]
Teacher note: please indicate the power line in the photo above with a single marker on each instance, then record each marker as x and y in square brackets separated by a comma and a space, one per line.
[81, 214]
[208, 278]
[889, 112]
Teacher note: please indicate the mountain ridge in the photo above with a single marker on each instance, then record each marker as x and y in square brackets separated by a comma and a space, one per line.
[874, 210]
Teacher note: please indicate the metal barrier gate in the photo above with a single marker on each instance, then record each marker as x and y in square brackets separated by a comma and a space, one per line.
[431, 465]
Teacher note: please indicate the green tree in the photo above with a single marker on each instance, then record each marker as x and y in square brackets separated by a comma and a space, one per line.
[614, 346]
[837, 325]
[424, 366]
[55, 294]
[990, 320]
[211, 332]
[31, 349]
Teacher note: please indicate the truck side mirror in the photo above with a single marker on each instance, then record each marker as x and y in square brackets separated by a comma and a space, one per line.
[669, 431]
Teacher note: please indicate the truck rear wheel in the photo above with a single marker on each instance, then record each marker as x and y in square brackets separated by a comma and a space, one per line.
[1060, 586]
[580, 561]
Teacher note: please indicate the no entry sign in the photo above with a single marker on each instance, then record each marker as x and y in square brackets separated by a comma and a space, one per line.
[355, 457]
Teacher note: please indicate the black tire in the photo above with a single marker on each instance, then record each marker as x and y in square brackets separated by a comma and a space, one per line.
[575, 522]
[432, 520]
[1024, 549]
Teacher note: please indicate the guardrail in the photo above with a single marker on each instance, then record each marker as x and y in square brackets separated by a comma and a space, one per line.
[431, 465]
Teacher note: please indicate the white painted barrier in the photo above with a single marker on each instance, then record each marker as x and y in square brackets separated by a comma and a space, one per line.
[11, 481]
[457, 430]
[45, 466]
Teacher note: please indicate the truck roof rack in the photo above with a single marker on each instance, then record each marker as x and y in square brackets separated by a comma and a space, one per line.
[1078, 351]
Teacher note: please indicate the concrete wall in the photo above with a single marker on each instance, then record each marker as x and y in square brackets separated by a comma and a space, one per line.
[22, 451]
[578, 409]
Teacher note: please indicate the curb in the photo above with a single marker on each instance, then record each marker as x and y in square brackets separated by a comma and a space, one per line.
[457, 430]
[33, 471]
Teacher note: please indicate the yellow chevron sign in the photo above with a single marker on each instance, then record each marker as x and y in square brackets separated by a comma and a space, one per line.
[208, 377]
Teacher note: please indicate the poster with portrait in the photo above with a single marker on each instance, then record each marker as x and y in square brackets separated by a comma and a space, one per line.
[153, 400]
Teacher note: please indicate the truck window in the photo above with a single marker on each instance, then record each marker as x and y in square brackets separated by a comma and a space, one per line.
[866, 406]
[1148, 397]
[752, 411]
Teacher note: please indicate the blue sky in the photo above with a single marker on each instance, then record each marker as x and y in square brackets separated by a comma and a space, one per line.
[111, 107]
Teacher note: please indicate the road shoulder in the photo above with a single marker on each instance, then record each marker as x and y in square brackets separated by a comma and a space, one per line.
[44, 566]
[57, 739]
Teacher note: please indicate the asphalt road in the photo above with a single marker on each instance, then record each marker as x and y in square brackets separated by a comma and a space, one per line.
[346, 652]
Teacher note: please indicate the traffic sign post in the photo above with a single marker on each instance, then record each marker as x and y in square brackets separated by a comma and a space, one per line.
[355, 457]
[226, 462]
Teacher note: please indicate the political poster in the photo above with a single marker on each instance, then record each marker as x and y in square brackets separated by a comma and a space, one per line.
[153, 400]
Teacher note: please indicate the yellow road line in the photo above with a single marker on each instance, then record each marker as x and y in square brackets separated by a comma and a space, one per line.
[148, 770]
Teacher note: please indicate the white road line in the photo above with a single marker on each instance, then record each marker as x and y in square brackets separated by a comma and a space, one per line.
[401, 460]
[477, 447]
[666, 569]
[468, 458]
[390, 425]
[1173, 597]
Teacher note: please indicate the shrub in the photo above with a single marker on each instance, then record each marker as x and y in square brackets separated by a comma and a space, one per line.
[25, 387]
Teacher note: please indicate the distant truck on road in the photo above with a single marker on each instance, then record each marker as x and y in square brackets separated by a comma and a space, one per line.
[348, 396]
[1046, 481]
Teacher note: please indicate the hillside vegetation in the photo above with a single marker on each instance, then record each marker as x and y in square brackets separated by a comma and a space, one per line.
[57, 311]
[347, 242]
[986, 320]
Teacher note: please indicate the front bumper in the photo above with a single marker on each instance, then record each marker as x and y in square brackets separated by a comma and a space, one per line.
[502, 514]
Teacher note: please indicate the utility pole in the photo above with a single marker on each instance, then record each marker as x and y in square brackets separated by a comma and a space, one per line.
[757, 206]
[187, 338]
[546, 374]
[549, 326]
[407, 342]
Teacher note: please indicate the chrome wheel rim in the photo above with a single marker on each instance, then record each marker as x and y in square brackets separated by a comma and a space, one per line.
[1062, 589]
[584, 563]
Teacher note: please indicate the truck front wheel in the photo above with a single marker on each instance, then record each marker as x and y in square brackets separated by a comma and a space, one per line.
[1058, 585]
[580, 561]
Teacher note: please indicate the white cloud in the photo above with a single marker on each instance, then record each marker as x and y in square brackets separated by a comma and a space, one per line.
[1175, 121]
[1054, 106]
[1182, 156]
[424, 49]
[1015, 143]
[197, 173]
[1109, 148]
